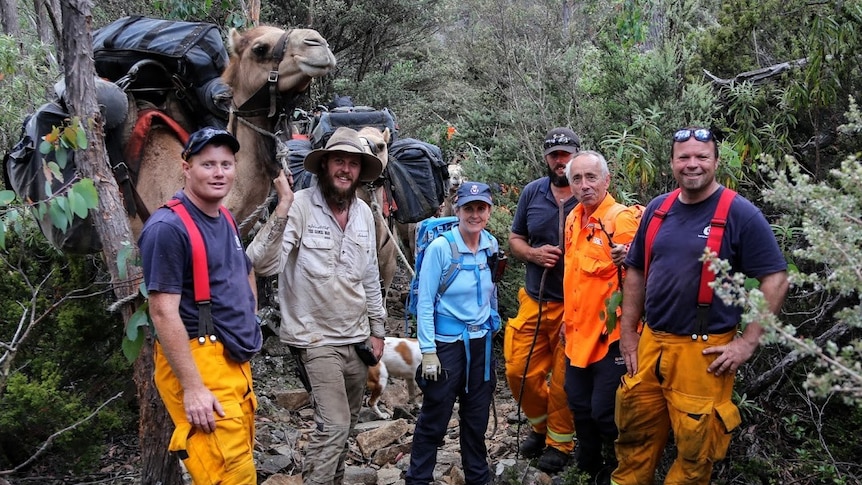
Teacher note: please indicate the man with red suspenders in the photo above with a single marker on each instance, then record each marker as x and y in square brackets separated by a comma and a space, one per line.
[203, 308]
[680, 370]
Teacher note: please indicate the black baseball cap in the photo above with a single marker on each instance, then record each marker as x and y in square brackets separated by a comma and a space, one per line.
[561, 139]
[203, 137]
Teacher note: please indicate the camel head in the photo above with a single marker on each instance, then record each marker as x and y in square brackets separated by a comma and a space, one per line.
[306, 55]
[377, 142]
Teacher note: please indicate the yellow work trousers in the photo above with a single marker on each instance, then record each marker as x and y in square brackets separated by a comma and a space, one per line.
[224, 456]
[544, 399]
[672, 389]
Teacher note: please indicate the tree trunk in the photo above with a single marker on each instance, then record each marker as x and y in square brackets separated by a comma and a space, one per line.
[9, 17]
[47, 12]
[159, 466]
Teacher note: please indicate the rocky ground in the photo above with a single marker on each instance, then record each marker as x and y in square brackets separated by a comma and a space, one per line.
[379, 449]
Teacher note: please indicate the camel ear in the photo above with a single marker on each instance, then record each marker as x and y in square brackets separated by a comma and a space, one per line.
[234, 39]
[387, 135]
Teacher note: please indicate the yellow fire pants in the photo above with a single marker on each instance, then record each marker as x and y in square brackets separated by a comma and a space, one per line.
[672, 389]
[224, 456]
[544, 400]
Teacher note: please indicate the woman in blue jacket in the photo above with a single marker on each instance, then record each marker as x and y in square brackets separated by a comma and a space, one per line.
[455, 330]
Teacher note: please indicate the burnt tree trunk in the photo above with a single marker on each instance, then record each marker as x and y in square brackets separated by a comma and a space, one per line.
[159, 466]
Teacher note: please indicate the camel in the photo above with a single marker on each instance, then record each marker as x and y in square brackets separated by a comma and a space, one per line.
[264, 87]
[387, 245]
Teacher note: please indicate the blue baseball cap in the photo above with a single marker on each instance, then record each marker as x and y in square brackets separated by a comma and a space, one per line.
[472, 191]
[203, 137]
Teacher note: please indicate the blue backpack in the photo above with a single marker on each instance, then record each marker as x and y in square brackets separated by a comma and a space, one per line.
[426, 231]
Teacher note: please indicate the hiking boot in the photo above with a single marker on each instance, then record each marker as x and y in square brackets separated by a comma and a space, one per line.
[533, 445]
[553, 460]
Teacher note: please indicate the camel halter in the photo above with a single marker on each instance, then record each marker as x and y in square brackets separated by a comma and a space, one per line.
[267, 95]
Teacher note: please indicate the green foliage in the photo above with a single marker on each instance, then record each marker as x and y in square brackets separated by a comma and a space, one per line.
[26, 68]
[70, 339]
[230, 13]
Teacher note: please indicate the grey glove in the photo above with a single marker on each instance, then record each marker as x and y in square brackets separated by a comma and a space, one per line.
[430, 366]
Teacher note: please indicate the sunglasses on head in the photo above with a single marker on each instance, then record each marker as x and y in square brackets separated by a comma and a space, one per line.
[559, 139]
[699, 134]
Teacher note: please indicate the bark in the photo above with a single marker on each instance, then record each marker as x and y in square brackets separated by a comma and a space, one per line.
[47, 12]
[159, 466]
[780, 371]
[759, 75]
[9, 17]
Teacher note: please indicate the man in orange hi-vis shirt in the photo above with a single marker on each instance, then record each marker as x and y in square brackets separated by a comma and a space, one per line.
[598, 231]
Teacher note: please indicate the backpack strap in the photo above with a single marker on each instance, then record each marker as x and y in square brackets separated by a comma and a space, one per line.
[609, 221]
[200, 267]
[446, 280]
[713, 242]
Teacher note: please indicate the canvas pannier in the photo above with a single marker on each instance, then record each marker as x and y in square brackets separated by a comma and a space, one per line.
[193, 54]
[419, 179]
[25, 175]
[297, 149]
[356, 117]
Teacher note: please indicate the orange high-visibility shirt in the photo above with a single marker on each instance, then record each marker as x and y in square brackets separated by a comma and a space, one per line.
[590, 278]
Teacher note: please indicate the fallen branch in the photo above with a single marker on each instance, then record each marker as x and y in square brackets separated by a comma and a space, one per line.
[48, 442]
[759, 75]
[777, 373]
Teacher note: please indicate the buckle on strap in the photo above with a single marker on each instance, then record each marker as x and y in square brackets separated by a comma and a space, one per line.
[701, 323]
[475, 328]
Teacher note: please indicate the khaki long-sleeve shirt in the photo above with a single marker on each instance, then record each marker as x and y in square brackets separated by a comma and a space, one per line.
[328, 278]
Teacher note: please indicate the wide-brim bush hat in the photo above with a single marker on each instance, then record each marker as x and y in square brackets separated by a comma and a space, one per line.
[345, 140]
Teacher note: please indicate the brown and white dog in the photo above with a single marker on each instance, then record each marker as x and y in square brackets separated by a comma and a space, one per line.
[401, 357]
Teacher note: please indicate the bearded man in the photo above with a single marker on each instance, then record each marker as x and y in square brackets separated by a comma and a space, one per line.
[534, 334]
[320, 241]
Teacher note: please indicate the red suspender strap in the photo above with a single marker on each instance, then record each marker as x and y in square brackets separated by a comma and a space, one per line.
[713, 242]
[654, 224]
[200, 269]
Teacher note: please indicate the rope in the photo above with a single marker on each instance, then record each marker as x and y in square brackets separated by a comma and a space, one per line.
[281, 152]
[114, 307]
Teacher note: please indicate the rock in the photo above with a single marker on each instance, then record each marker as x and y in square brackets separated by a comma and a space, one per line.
[391, 454]
[280, 479]
[292, 399]
[389, 476]
[373, 440]
[360, 475]
[270, 464]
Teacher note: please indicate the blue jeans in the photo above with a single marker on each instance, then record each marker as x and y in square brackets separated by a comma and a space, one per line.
[437, 404]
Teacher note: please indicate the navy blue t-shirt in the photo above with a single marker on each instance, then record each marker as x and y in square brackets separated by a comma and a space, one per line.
[537, 219]
[674, 270]
[167, 263]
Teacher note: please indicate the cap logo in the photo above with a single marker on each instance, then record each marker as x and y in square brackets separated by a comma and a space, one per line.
[474, 189]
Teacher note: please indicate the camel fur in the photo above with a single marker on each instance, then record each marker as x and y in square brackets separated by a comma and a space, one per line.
[387, 249]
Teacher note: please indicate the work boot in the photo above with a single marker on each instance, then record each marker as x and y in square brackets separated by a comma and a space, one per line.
[553, 460]
[533, 445]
